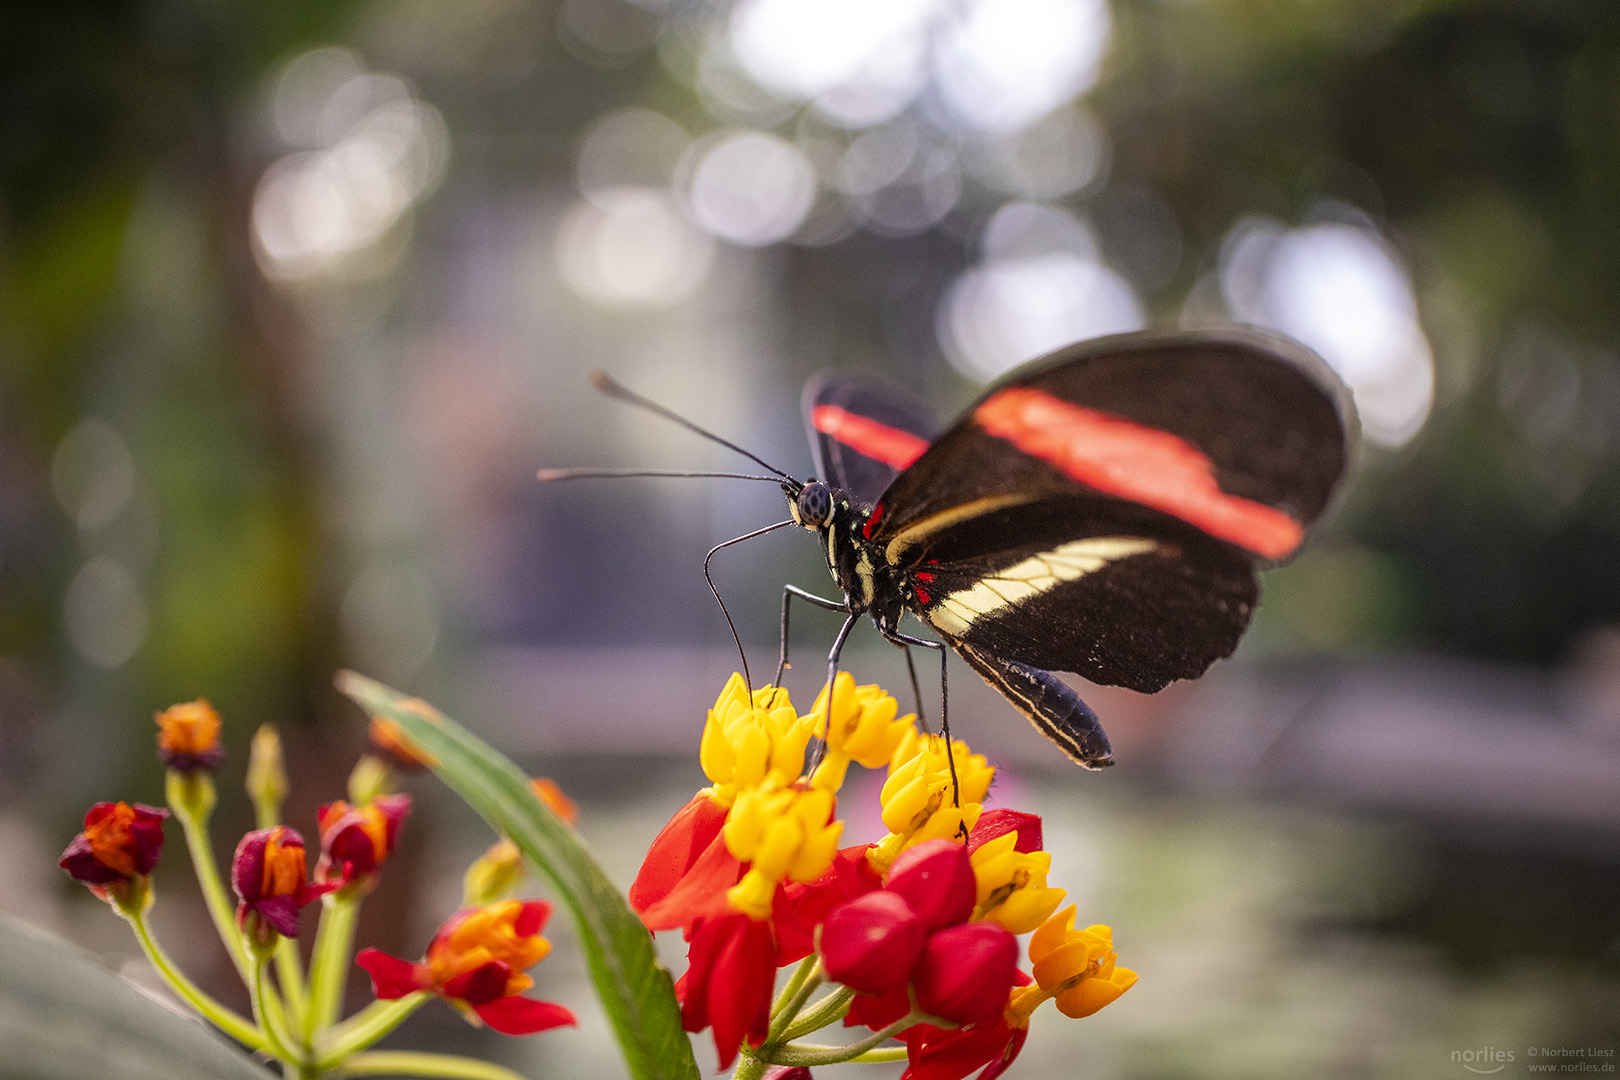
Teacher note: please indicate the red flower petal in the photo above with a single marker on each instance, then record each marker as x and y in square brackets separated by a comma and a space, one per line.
[677, 847]
[532, 919]
[481, 985]
[392, 977]
[867, 1010]
[940, 1054]
[994, 823]
[731, 971]
[281, 912]
[523, 1016]
[82, 865]
[701, 893]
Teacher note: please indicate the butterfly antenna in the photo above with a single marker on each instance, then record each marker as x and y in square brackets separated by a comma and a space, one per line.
[548, 475]
[612, 389]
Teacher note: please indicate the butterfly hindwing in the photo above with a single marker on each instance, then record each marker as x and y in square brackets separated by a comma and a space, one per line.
[1115, 592]
[1056, 711]
[864, 429]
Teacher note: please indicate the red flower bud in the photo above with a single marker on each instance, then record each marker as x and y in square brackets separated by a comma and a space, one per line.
[936, 879]
[994, 823]
[967, 972]
[872, 944]
[119, 843]
[268, 874]
[356, 839]
[188, 737]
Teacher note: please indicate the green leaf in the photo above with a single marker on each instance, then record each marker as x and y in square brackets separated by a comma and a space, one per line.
[637, 994]
[65, 1017]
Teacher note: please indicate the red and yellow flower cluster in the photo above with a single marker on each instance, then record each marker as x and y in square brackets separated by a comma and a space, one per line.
[477, 960]
[921, 926]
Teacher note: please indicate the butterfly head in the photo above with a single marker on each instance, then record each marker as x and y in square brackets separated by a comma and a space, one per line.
[811, 506]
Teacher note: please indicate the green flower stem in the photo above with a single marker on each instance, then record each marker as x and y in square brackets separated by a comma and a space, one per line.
[266, 813]
[412, 1063]
[787, 1012]
[881, 1055]
[830, 1009]
[193, 814]
[329, 963]
[366, 1027]
[806, 967]
[290, 977]
[793, 1054]
[232, 1024]
[277, 1041]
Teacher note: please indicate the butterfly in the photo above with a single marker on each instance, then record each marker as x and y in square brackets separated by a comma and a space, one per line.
[1101, 511]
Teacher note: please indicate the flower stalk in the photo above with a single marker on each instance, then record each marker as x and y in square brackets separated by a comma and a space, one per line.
[227, 1020]
[329, 962]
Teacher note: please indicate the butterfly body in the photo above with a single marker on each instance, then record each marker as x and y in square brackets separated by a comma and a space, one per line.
[1102, 511]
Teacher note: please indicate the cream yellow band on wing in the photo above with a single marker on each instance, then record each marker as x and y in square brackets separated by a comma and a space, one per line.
[911, 535]
[957, 611]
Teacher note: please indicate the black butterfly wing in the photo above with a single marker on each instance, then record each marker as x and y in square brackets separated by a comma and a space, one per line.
[1056, 710]
[1114, 591]
[1102, 511]
[864, 429]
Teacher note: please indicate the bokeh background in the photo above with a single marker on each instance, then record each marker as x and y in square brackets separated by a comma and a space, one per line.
[295, 298]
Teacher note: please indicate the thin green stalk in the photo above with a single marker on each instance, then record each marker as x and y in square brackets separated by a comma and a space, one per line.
[366, 1027]
[800, 974]
[412, 1063]
[194, 823]
[228, 1021]
[329, 963]
[784, 1016]
[290, 977]
[793, 1054]
[832, 1008]
[277, 1040]
[881, 1055]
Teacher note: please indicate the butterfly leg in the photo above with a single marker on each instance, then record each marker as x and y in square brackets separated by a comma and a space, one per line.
[905, 640]
[916, 687]
[788, 593]
[707, 576]
[832, 665]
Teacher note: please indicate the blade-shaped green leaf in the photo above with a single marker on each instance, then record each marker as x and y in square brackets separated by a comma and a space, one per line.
[636, 992]
[65, 1017]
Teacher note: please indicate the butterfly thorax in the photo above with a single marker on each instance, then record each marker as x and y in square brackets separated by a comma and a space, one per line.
[862, 574]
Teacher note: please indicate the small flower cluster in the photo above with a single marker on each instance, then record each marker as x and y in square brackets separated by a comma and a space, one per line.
[919, 928]
[476, 962]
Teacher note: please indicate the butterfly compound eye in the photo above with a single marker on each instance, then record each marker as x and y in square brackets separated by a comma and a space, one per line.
[815, 504]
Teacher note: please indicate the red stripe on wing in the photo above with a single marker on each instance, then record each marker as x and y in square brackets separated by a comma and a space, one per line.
[1143, 464]
[878, 441]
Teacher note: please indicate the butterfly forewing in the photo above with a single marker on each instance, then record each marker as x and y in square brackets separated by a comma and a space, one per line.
[864, 429]
[1240, 435]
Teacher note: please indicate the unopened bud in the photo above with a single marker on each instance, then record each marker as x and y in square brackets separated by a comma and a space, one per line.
[266, 772]
[494, 876]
